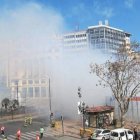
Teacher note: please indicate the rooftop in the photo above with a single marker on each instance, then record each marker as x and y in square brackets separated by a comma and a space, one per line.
[99, 109]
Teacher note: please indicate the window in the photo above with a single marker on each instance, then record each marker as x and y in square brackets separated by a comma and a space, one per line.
[106, 131]
[43, 91]
[114, 134]
[24, 92]
[37, 92]
[24, 82]
[30, 92]
[122, 134]
[130, 132]
[30, 81]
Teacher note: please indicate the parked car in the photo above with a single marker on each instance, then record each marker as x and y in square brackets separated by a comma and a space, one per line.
[100, 134]
[121, 134]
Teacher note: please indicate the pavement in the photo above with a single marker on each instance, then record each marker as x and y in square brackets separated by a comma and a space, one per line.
[71, 130]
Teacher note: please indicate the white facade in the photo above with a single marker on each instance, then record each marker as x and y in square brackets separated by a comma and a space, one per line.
[75, 40]
[101, 37]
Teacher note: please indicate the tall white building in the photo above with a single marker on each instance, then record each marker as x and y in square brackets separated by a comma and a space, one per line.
[101, 36]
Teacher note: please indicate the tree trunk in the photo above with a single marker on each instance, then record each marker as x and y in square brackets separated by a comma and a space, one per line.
[1, 112]
[122, 119]
[12, 112]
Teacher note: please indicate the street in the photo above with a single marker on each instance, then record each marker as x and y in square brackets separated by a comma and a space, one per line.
[30, 132]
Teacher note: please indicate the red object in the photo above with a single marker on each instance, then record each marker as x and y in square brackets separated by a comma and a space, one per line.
[2, 128]
[135, 99]
[99, 109]
[37, 137]
[18, 133]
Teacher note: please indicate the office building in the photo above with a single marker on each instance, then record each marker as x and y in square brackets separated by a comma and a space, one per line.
[103, 37]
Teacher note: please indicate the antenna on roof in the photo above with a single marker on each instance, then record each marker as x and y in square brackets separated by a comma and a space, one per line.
[100, 22]
[106, 23]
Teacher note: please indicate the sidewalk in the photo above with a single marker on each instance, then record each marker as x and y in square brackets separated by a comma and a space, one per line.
[71, 130]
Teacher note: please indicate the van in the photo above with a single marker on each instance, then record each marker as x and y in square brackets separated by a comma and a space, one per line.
[121, 134]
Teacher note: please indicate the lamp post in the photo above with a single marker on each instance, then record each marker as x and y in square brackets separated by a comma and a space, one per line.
[17, 91]
[50, 102]
[83, 112]
[82, 109]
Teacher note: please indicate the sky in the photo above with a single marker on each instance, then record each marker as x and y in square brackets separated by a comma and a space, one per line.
[123, 14]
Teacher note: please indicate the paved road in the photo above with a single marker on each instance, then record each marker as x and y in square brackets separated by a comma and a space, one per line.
[30, 132]
[30, 136]
[12, 127]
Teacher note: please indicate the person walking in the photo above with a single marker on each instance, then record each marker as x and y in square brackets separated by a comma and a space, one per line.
[18, 134]
[41, 132]
[3, 130]
[37, 137]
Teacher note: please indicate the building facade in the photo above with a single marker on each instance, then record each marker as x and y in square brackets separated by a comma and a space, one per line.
[75, 40]
[103, 37]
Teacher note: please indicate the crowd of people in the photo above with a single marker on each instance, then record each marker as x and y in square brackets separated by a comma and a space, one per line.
[18, 134]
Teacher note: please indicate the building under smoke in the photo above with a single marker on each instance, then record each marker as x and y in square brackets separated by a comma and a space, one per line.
[27, 75]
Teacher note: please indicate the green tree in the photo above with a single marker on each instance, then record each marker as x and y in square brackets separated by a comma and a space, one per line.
[9, 105]
[121, 75]
[5, 103]
[15, 103]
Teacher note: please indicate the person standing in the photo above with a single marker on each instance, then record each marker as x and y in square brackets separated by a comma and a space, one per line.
[135, 133]
[41, 132]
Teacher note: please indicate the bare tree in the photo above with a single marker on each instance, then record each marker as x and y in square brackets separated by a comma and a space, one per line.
[121, 75]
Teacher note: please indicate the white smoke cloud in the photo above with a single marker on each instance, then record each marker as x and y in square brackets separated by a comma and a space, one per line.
[28, 30]
[29, 26]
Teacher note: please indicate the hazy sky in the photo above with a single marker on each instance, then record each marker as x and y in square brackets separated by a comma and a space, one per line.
[123, 14]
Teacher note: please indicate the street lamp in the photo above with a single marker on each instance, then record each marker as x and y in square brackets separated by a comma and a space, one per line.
[83, 112]
[50, 101]
[82, 109]
[17, 90]
[50, 104]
